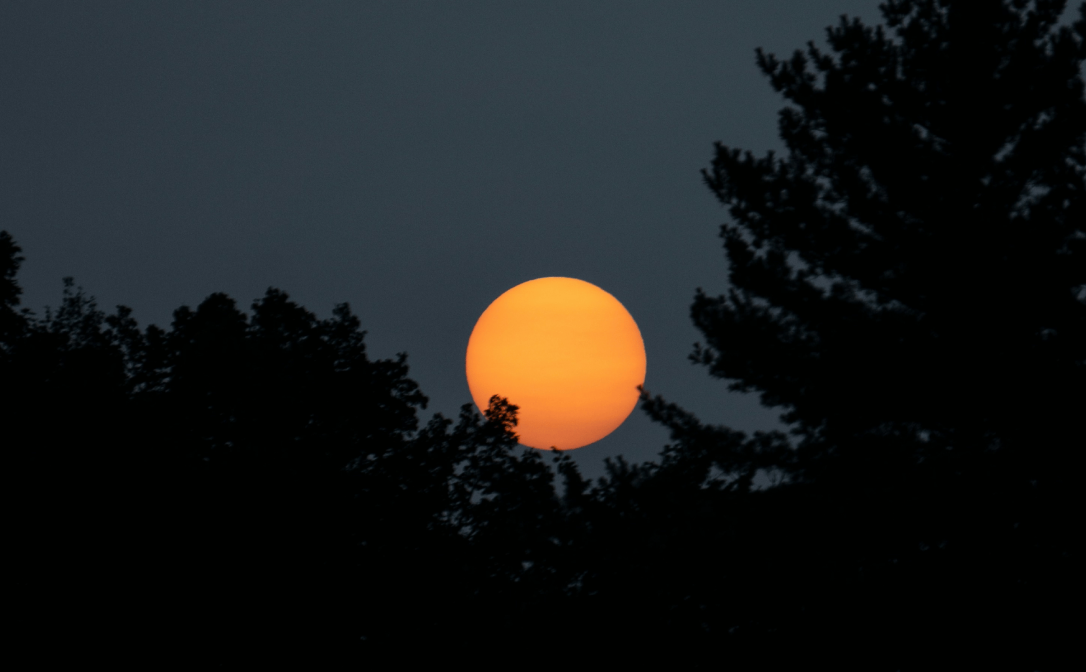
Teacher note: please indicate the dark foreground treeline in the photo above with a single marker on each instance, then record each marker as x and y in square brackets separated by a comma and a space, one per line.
[908, 286]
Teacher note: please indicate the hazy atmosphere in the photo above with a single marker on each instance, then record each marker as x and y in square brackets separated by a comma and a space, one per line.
[297, 220]
[414, 159]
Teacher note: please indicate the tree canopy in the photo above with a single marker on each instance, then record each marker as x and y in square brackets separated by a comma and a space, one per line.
[907, 286]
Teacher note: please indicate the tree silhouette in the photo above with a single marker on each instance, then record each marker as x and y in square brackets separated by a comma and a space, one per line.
[248, 487]
[11, 322]
[907, 286]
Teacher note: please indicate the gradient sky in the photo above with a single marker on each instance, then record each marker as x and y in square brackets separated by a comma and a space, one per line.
[415, 159]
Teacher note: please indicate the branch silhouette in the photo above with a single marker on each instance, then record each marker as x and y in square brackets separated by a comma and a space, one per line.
[906, 287]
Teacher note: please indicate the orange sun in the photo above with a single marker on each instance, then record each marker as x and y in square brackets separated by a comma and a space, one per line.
[563, 350]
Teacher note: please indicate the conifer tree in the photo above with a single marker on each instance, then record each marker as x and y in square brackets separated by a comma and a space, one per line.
[908, 288]
[914, 268]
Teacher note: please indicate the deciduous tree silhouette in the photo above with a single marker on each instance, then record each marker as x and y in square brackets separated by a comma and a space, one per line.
[907, 286]
[245, 487]
[11, 322]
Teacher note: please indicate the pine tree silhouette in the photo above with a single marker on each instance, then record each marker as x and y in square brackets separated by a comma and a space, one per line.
[907, 287]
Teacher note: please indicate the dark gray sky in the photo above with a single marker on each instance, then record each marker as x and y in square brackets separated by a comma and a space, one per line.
[415, 159]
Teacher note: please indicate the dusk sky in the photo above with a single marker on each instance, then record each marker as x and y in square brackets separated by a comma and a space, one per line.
[414, 159]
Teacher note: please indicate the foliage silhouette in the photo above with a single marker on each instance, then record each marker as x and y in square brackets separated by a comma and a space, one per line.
[254, 486]
[907, 286]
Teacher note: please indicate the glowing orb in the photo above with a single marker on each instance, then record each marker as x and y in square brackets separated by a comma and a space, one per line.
[563, 350]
